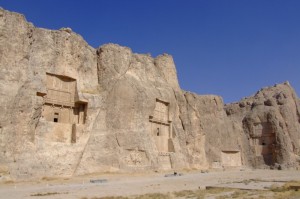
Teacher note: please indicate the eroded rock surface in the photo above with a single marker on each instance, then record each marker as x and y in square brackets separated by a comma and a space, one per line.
[69, 109]
[270, 121]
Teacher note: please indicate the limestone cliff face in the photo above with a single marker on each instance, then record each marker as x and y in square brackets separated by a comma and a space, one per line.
[134, 126]
[69, 109]
[27, 55]
[271, 124]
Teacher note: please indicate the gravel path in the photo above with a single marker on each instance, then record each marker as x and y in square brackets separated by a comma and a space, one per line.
[124, 185]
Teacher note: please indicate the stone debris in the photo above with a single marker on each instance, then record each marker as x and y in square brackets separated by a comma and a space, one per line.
[174, 174]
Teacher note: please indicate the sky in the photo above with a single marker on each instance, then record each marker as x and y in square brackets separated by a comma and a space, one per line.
[230, 48]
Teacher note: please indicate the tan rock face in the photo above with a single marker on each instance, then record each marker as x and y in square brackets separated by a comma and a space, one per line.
[69, 109]
[270, 120]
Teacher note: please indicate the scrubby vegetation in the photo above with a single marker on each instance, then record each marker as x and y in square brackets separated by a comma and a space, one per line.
[290, 190]
[45, 194]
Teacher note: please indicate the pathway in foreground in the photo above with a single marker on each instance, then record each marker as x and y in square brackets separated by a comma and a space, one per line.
[124, 185]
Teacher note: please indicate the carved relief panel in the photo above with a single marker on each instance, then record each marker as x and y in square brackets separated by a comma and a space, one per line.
[264, 141]
[60, 105]
[161, 127]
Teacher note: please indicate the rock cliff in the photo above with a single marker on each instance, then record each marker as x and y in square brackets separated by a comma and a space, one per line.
[69, 109]
[270, 122]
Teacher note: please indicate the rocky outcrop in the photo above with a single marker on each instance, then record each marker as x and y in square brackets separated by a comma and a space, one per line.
[69, 109]
[28, 54]
[270, 121]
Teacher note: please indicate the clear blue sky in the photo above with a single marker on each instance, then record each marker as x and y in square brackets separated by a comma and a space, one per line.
[230, 48]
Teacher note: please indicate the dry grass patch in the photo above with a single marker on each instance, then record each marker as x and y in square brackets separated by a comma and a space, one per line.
[184, 193]
[111, 197]
[216, 190]
[107, 197]
[154, 196]
[248, 181]
[145, 196]
[46, 178]
[288, 190]
[239, 194]
[46, 194]
[199, 194]
[9, 182]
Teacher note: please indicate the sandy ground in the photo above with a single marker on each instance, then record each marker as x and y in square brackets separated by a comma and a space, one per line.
[136, 184]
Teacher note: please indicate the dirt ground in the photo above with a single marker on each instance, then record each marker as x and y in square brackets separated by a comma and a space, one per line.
[139, 184]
